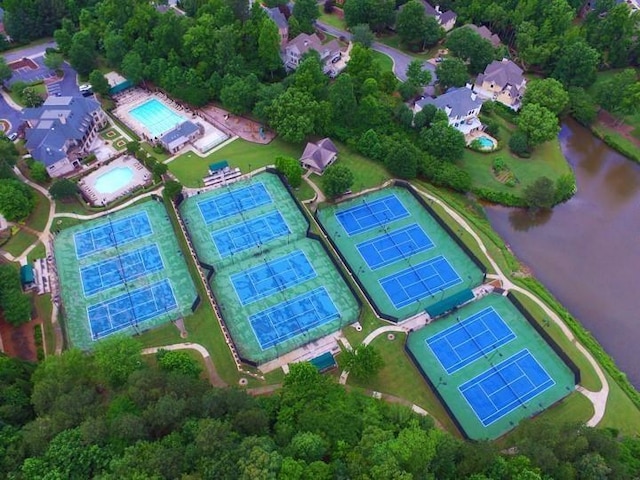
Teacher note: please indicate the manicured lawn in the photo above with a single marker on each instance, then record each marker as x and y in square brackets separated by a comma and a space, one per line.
[393, 41]
[38, 218]
[385, 62]
[19, 242]
[161, 157]
[621, 413]
[547, 160]
[304, 192]
[37, 252]
[71, 206]
[190, 168]
[401, 378]
[64, 222]
[331, 19]
[109, 133]
[44, 308]
[39, 88]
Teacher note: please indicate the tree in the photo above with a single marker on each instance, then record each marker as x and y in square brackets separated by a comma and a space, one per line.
[363, 35]
[336, 180]
[172, 188]
[378, 14]
[39, 172]
[581, 106]
[5, 70]
[548, 93]
[540, 194]
[63, 188]
[616, 93]
[411, 25]
[343, 100]
[178, 361]
[295, 115]
[452, 72]
[519, 144]
[82, 52]
[442, 141]
[306, 12]
[417, 74]
[577, 64]
[291, 169]
[238, 94]
[15, 305]
[269, 46]
[307, 446]
[363, 362]
[31, 98]
[99, 84]
[116, 358]
[53, 60]
[132, 147]
[538, 123]
[16, 200]
[132, 67]
[115, 47]
[467, 45]
[361, 66]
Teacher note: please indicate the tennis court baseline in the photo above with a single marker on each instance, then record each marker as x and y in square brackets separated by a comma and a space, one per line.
[293, 317]
[233, 202]
[250, 233]
[505, 386]
[419, 281]
[272, 276]
[368, 215]
[130, 309]
[395, 245]
[118, 232]
[470, 339]
[120, 269]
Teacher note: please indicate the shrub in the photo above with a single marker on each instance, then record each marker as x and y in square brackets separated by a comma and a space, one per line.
[519, 144]
[501, 198]
[492, 127]
[499, 165]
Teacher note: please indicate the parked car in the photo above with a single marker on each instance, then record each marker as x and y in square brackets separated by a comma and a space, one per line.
[13, 136]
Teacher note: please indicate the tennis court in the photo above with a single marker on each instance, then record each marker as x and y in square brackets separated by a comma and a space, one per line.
[394, 245]
[293, 317]
[506, 386]
[470, 339]
[234, 202]
[120, 269]
[272, 276]
[419, 281]
[114, 233]
[130, 309]
[250, 233]
[371, 214]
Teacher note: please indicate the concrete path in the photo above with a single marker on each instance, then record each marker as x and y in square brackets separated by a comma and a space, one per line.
[319, 194]
[214, 378]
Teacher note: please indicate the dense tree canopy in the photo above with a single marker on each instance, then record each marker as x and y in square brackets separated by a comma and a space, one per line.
[336, 180]
[452, 72]
[538, 123]
[16, 200]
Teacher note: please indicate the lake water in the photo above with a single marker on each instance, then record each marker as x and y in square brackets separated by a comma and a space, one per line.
[587, 251]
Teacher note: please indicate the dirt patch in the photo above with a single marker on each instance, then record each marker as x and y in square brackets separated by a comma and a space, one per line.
[609, 121]
[19, 341]
[23, 63]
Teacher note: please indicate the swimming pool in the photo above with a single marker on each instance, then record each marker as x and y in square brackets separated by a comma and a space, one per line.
[156, 117]
[486, 143]
[113, 180]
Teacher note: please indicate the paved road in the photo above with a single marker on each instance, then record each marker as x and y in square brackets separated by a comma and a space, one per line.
[400, 59]
[9, 113]
[29, 52]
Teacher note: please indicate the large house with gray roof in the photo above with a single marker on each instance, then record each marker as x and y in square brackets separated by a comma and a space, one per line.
[485, 33]
[462, 106]
[61, 131]
[502, 81]
[446, 19]
[330, 53]
[281, 22]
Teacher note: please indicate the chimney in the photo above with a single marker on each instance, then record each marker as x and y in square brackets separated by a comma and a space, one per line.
[62, 118]
[438, 9]
[473, 96]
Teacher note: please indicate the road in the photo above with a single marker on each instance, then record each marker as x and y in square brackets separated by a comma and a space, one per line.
[29, 52]
[400, 59]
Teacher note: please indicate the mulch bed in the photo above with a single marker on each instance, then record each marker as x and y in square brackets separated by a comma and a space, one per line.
[19, 341]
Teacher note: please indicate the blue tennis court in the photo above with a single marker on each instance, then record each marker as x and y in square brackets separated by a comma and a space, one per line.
[123, 268]
[272, 276]
[505, 386]
[293, 317]
[250, 233]
[419, 281]
[130, 309]
[233, 202]
[466, 341]
[118, 232]
[394, 245]
[368, 215]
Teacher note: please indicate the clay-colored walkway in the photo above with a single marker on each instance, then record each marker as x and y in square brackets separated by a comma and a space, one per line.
[235, 125]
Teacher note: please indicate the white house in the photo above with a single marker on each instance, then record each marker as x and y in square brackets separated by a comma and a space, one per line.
[502, 81]
[330, 53]
[462, 106]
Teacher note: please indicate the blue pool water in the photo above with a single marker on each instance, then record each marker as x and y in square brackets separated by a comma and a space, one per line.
[113, 180]
[486, 142]
[156, 117]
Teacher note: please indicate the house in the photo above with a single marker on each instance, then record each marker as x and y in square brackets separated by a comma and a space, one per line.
[330, 53]
[503, 82]
[485, 33]
[281, 22]
[318, 156]
[634, 5]
[61, 131]
[446, 19]
[462, 106]
[177, 137]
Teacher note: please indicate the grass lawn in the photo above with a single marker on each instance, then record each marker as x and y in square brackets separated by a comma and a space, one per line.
[19, 242]
[385, 62]
[304, 191]
[64, 222]
[331, 19]
[190, 168]
[621, 413]
[110, 134]
[546, 160]
[72, 206]
[39, 88]
[393, 41]
[37, 252]
[161, 157]
[38, 218]
[401, 378]
[44, 308]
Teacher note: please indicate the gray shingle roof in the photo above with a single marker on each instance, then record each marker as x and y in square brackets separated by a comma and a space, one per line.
[179, 134]
[485, 33]
[278, 18]
[319, 154]
[503, 73]
[460, 100]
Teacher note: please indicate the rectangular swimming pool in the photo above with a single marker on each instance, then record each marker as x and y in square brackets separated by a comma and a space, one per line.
[156, 117]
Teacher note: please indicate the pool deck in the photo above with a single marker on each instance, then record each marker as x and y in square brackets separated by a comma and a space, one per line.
[141, 176]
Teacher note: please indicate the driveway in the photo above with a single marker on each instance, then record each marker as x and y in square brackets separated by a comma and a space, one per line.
[400, 59]
[29, 52]
[67, 86]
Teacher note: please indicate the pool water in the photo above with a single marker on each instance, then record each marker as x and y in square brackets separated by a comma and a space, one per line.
[486, 142]
[113, 180]
[156, 117]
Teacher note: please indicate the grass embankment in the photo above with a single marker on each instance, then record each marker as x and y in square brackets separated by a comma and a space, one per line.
[21, 239]
[385, 63]
[304, 192]
[44, 308]
[190, 168]
[333, 19]
[37, 252]
[19, 242]
[393, 41]
[40, 215]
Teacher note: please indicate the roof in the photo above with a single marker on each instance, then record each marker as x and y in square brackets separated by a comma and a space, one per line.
[114, 79]
[319, 154]
[26, 274]
[503, 73]
[277, 16]
[57, 121]
[324, 362]
[485, 33]
[180, 134]
[448, 16]
[431, 11]
[214, 167]
[459, 100]
[304, 42]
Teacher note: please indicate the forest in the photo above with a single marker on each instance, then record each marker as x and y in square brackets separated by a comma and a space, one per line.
[116, 414]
